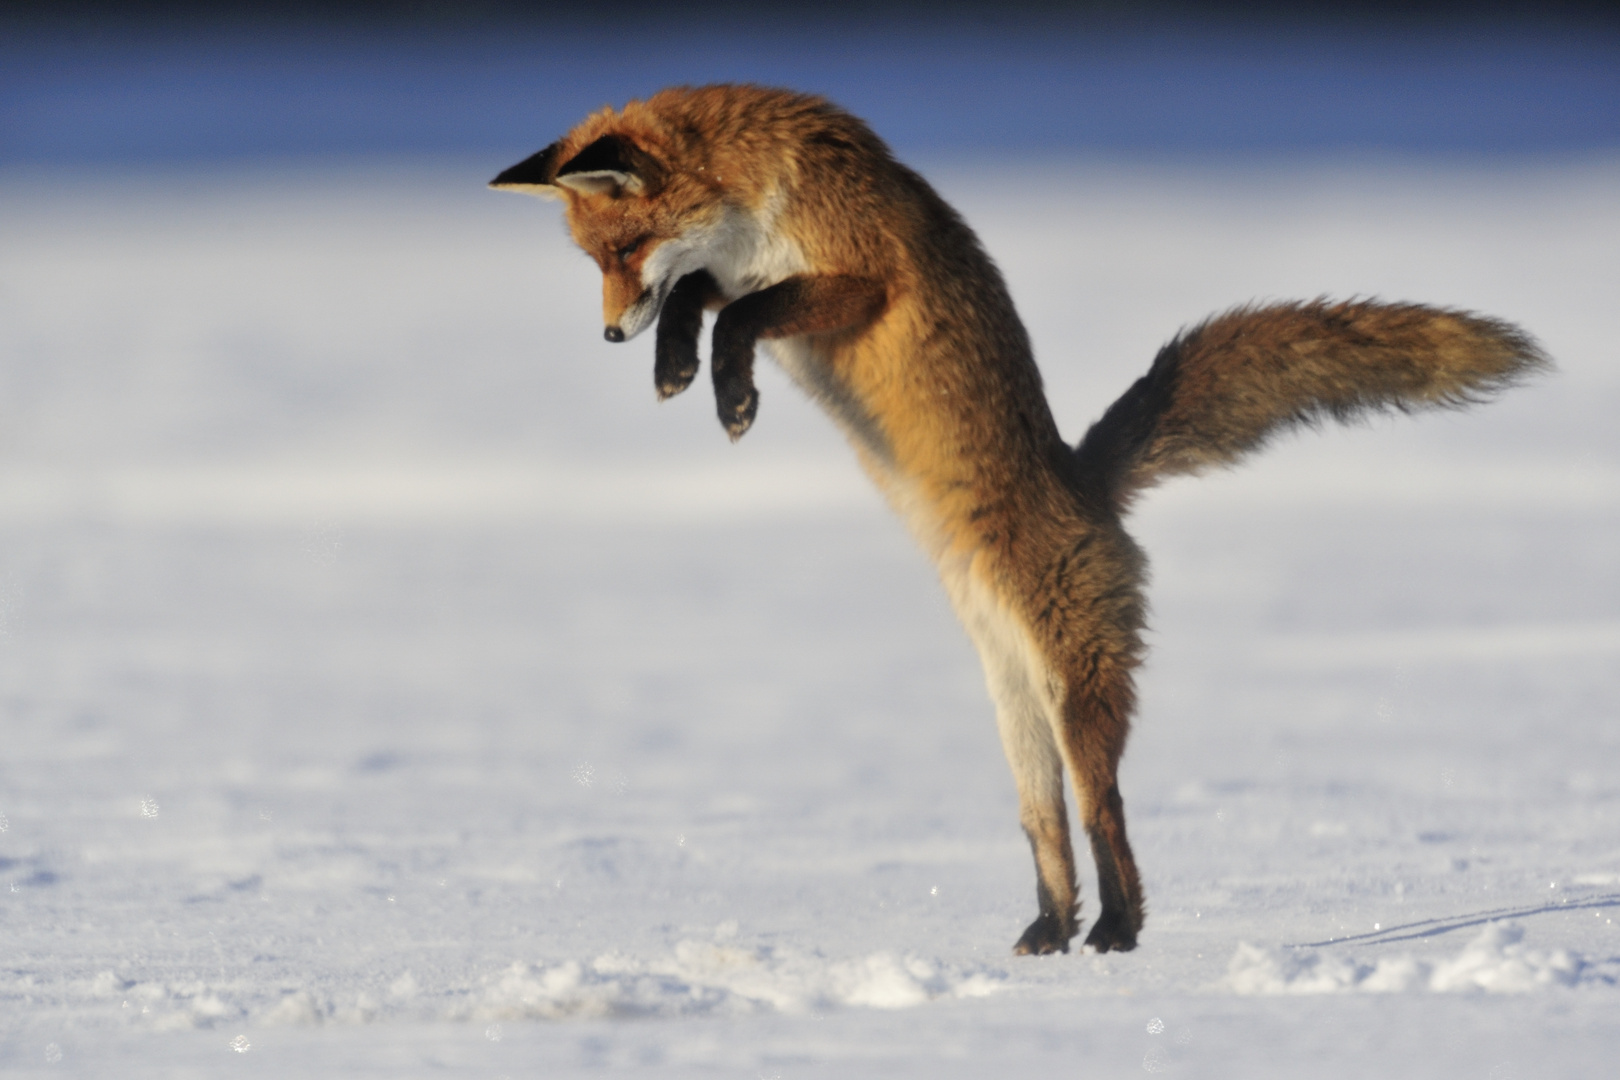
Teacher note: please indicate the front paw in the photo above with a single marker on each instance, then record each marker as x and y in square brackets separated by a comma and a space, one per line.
[675, 365]
[675, 355]
[736, 402]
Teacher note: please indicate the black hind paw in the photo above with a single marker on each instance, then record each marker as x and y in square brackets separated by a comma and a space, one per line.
[1112, 932]
[1047, 934]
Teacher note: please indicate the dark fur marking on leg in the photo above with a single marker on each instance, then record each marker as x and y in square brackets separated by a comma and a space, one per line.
[1117, 886]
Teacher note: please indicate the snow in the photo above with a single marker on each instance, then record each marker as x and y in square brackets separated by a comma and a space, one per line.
[1494, 961]
[389, 686]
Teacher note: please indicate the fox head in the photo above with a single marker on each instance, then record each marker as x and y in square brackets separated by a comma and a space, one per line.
[647, 224]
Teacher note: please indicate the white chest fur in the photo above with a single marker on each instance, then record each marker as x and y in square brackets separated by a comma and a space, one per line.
[747, 251]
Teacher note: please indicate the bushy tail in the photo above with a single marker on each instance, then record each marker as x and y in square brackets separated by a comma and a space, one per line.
[1220, 390]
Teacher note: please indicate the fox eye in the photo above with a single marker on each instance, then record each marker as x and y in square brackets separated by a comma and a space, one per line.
[631, 248]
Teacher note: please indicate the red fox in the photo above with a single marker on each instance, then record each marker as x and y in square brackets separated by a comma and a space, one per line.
[794, 221]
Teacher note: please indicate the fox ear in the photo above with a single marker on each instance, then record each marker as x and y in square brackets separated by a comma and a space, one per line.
[534, 175]
[610, 165]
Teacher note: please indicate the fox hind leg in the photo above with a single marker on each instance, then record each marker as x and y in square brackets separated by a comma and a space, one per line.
[1117, 882]
[1094, 728]
[1056, 892]
[1026, 736]
[1024, 720]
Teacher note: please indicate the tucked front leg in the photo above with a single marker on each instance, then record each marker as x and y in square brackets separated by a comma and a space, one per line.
[675, 353]
[807, 304]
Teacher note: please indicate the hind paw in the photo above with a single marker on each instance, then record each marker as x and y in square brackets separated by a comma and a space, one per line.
[1047, 934]
[1112, 932]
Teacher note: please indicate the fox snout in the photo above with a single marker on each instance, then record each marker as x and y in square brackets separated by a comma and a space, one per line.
[623, 322]
[628, 308]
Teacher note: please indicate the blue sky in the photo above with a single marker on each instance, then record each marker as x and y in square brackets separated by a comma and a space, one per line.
[191, 95]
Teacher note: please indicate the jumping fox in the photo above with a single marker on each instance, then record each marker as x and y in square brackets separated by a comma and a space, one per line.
[793, 220]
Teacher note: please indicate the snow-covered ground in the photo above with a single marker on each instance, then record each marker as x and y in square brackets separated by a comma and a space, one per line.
[389, 687]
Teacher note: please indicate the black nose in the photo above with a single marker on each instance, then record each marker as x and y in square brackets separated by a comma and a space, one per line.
[613, 334]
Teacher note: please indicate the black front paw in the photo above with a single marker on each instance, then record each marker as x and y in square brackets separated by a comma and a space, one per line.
[675, 363]
[736, 400]
[675, 354]
[732, 366]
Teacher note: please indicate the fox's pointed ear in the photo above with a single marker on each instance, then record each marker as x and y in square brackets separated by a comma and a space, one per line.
[609, 165]
[534, 175]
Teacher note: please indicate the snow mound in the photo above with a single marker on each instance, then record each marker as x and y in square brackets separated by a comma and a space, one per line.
[1495, 961]
[711, 978]
[173, 1006]
[697, 978]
